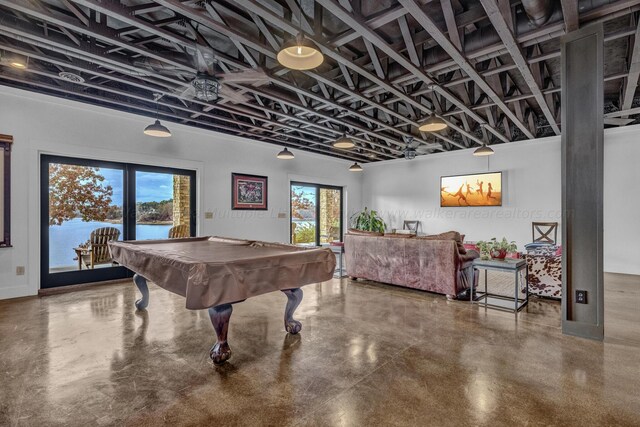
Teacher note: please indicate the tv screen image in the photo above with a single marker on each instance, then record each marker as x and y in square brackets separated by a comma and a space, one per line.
[482, 189]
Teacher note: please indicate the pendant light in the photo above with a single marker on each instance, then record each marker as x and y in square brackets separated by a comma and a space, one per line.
[485, 150]
[16, 63]
[355, 167]
[285, 154]
[344, 142]
[157, 129]
[300, 53]
[432, 124]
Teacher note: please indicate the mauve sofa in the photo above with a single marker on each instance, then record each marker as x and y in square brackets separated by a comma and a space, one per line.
[417, 262]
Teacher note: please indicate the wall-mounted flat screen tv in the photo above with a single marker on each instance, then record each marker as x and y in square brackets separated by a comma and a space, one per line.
[481, 189]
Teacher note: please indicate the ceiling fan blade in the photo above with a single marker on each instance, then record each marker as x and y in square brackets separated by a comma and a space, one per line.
[233, 96]
[205, 57]
[617, 122]
[256, 77]
[187, 91]
[423, 150]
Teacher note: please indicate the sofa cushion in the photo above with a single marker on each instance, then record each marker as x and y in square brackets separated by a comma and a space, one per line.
[399, 235]
[363, 233]
[449, 235]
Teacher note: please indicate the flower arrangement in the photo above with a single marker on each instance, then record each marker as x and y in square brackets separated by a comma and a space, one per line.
[497, 249]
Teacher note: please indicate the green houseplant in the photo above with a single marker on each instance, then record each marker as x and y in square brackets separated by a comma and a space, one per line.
[494, 248]
[368, 220]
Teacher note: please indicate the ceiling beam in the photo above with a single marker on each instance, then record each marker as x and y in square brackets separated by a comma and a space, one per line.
[499, 23]
[570, 14]
[131, 69]
[427, 23]
[634, 73]
[358, 24]
[452, 28]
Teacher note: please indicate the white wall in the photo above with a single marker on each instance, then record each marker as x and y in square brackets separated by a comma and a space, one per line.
[622, 200]
[44, 124]
[402, 189]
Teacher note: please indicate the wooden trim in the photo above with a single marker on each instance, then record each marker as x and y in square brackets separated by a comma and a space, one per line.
[44, 292]
[5, 156]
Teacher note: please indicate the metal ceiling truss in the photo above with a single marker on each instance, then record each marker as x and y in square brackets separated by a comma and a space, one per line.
[481, 66]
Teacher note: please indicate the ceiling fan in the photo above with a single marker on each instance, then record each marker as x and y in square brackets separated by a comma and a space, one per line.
[412, 148]
[207, 84]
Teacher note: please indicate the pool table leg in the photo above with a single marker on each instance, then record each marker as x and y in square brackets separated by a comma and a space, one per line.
[220, 316]
[141, 283]
[294, 296]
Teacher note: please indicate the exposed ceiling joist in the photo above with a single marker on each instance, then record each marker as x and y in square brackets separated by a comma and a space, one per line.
[499, 23]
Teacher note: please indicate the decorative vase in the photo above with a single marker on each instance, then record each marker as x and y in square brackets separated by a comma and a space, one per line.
[499, 253]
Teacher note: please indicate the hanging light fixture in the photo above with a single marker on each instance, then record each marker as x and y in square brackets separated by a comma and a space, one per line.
[18, 64]
[285, 154]
[344, 142]
[157, 129]
[300, 53]
[432, 124]
[355, 167]
[485, 150]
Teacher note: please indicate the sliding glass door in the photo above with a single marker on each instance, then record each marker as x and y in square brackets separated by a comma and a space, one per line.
[85, 204]
[316, 214]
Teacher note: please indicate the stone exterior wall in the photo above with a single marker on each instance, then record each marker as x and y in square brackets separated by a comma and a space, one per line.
[329, 215]
[181, 197]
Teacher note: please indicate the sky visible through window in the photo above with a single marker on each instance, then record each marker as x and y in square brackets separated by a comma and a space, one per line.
[150, 186]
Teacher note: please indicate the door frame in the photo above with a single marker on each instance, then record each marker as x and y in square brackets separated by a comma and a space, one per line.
[65, 278]
[318, 187]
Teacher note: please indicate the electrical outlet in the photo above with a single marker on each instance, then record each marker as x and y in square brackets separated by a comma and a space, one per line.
[20, 270]
[208, 215]
[581, 297]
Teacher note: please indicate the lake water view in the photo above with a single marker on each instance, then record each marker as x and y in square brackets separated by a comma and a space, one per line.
[63, 238]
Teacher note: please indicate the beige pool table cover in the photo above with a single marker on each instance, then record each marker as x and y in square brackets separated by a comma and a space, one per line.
[209, 271]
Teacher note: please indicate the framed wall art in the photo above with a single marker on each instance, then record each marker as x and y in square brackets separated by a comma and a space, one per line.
[249, 192]
[481, 189]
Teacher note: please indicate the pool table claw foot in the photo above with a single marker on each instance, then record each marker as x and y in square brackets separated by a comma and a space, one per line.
[141, 283]
[294, 297]
[220, 353]
[220, 316]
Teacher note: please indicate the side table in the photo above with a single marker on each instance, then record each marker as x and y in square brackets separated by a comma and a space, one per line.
[501, 302]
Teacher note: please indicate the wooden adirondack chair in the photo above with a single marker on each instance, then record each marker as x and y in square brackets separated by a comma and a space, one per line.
[179, 231]
[99, 250]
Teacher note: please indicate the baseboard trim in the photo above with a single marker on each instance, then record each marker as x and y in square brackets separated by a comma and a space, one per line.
[79, 287]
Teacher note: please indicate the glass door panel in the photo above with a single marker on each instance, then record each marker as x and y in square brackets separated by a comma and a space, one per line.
[85, 212]
[316, 214]
[162, 205]
[330, 215]
[304, 215]
[87, 203]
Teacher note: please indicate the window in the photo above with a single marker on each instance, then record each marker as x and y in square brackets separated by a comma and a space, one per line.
[316, 214]
[87, 203]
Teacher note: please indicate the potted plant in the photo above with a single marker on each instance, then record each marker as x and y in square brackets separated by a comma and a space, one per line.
[368, 220]
[496, 249]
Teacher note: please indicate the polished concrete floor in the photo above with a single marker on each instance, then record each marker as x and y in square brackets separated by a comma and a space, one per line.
[368, 355]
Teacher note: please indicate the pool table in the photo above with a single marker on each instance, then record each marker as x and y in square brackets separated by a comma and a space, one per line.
[217, 272]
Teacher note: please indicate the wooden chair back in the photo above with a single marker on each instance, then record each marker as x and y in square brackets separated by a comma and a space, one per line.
[100, 237]
[542, 232]
[411, 225]
[179, 231]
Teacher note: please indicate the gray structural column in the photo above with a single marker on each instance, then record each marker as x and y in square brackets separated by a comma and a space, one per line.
[582, 181]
